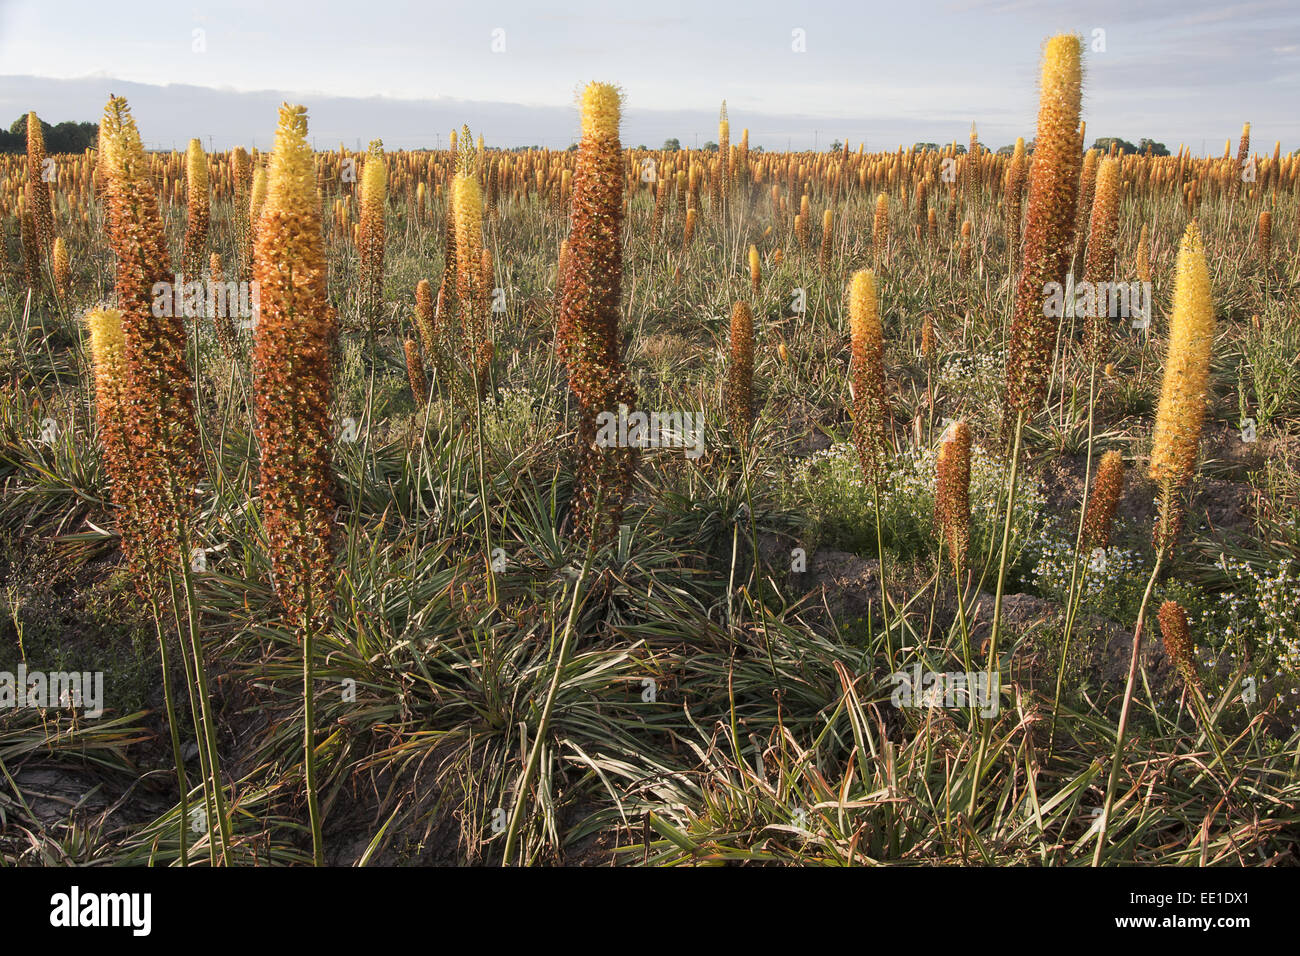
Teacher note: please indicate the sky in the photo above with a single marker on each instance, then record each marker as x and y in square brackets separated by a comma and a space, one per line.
[796, 74]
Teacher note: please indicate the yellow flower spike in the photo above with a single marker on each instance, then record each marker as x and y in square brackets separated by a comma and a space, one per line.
[42, 212]
[62, 268]
[587, 333]
[739, 384]
[107, 344]
[880, 227]
[1049, 227]
[1181, 412]
[1143, 264]
[828, 230]
[602, 105]
[290, 181]
[196, 232]
[158, 395]
[1107, 487]
[374, 195]
[108, 362]
[952, 494]
[867, 361]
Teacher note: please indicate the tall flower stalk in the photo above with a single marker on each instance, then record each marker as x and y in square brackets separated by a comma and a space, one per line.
[1099, 268]
[1243, 157]
[293, 383]
[256, 199]
[40, 180]
[241, 174]
[61, 269]
[195, 249]
[867, 379]
[1103, 502]
[587, 334]
[1014, 192]
[1099, 264]
[374, 195]
[1083, 213]
[31, 244]
[159, 398]
[952, 494]
[1142, 265]
[1264, 238]
[722, 181]
[1049, 226]
[472, 283]
[108, 357]
[1174, 446]
[952, 515]
[880, 230]
[157, 402]
[739, 386]
[1048, 246]
[867, 373]
[1181, 412]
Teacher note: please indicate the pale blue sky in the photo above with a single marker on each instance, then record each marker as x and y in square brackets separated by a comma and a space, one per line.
[884, 72]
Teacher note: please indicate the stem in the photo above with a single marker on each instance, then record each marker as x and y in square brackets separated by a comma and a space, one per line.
[934, 596]
[929, 394]
[204, 775]
[961, 618]
[745, 463]
[482, 480]
[1075, 594]
[181, 783]
[1203, 714]
[880, 548]
[309, 736]
[209, 739]
[1124, 711]
[534, 755]
[997, 602]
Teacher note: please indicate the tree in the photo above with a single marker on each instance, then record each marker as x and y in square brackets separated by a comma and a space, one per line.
[672, 145]
[66, 137]
[1156, 149]
[925, 147]
[710, 147]
[836, 146]
[1104, 143]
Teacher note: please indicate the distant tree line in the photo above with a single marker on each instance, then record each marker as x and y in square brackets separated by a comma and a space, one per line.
[1104, 144]
[65, 137]
[70, 137]
[960, 149]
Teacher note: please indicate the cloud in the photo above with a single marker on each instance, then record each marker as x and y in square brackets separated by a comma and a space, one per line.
[1131, 94]
[169, 115]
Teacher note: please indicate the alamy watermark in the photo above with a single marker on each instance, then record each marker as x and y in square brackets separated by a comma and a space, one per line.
[49, 689]
[75, 909]
[1115, 300]
[202, 297]
[948, 689]
[651, 430]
